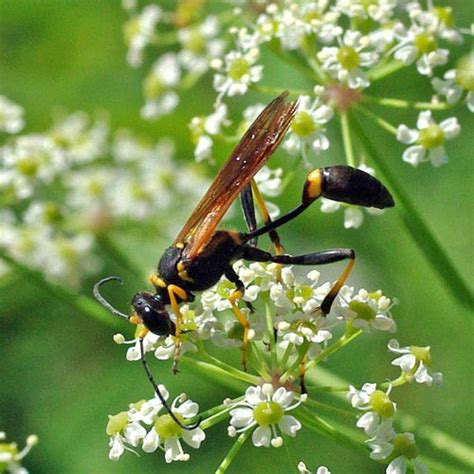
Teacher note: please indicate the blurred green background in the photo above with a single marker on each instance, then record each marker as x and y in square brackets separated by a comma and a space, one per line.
[61, 374]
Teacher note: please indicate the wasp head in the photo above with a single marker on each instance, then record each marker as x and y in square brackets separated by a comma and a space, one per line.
[152, 312]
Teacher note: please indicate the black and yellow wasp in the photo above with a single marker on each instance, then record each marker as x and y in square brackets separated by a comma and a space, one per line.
[201, 254]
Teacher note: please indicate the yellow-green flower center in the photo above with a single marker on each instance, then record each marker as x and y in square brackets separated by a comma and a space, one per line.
[363, 310]
[432, 136]
[238, 69]
[27, 166]
[465, 72]
[268, 413]
[445, 15]
[381, 404]
[166, 427]
[116, 423]
[301, 291]
[152, 86]
[303, 125]
[422, 354]
[195, 42]
[348, 57]
[52, 213]
[311, 16]
[402, 446]
[425, 43]
[95, 188]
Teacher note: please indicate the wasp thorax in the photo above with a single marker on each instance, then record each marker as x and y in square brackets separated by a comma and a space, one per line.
[153, 313]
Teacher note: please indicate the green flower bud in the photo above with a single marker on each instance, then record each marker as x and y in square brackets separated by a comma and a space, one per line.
[465, 72]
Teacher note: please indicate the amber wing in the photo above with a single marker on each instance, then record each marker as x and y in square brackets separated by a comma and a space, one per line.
[255, 148]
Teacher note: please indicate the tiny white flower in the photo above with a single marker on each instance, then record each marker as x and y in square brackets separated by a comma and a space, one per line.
[203, 129]
[11, 116]
[418, 43]
[139, 33]
[200, 44]
[415, 362]
[237, 72]
[166, 434]
[264, 408]
[11, 457]
[367, 310]
[307, 131]
[378, 407]
[457, 81]
[302, 469]
[344, 63]
[427, 142]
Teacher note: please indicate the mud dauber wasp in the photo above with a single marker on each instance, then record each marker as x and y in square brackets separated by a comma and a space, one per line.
[201, 255]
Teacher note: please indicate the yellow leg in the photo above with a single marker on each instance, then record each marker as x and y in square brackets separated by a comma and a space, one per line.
[262, 209]
[233, 298]
[331, 296]
[174, 291]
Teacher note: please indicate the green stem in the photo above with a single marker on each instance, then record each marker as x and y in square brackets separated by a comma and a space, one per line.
[319, 425]
[286, 355]
[233, 452]
[276, 49]
[380, 72]
[271, 334]
[309, 48]
[344, 340]
[214, 419]
[331, 409]
[223, 375]
[388, 127]
[406, 104]
[417, 228]
[117, 255]
[82, 304]
[346, 139]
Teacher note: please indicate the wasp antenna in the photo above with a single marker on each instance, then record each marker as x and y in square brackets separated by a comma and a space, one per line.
[160, 395]
[103, 301]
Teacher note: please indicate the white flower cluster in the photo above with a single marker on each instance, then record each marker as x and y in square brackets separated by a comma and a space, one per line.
[145, 425]
[379, 411]
[64, 186]
[342, 44]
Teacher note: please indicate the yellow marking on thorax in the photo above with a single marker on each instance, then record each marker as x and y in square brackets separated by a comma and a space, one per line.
[179, 245]
[314, 184]
[182, 272]
[156, 281]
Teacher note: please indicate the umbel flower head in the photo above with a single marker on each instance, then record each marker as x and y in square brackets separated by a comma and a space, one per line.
[144, 426]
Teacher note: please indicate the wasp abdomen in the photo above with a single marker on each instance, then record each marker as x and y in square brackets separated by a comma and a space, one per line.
[349, 185]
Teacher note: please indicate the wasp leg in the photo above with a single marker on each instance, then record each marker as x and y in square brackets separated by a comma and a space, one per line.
[173, 291]
[322, 257]
[233, 299]
[302, 373]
